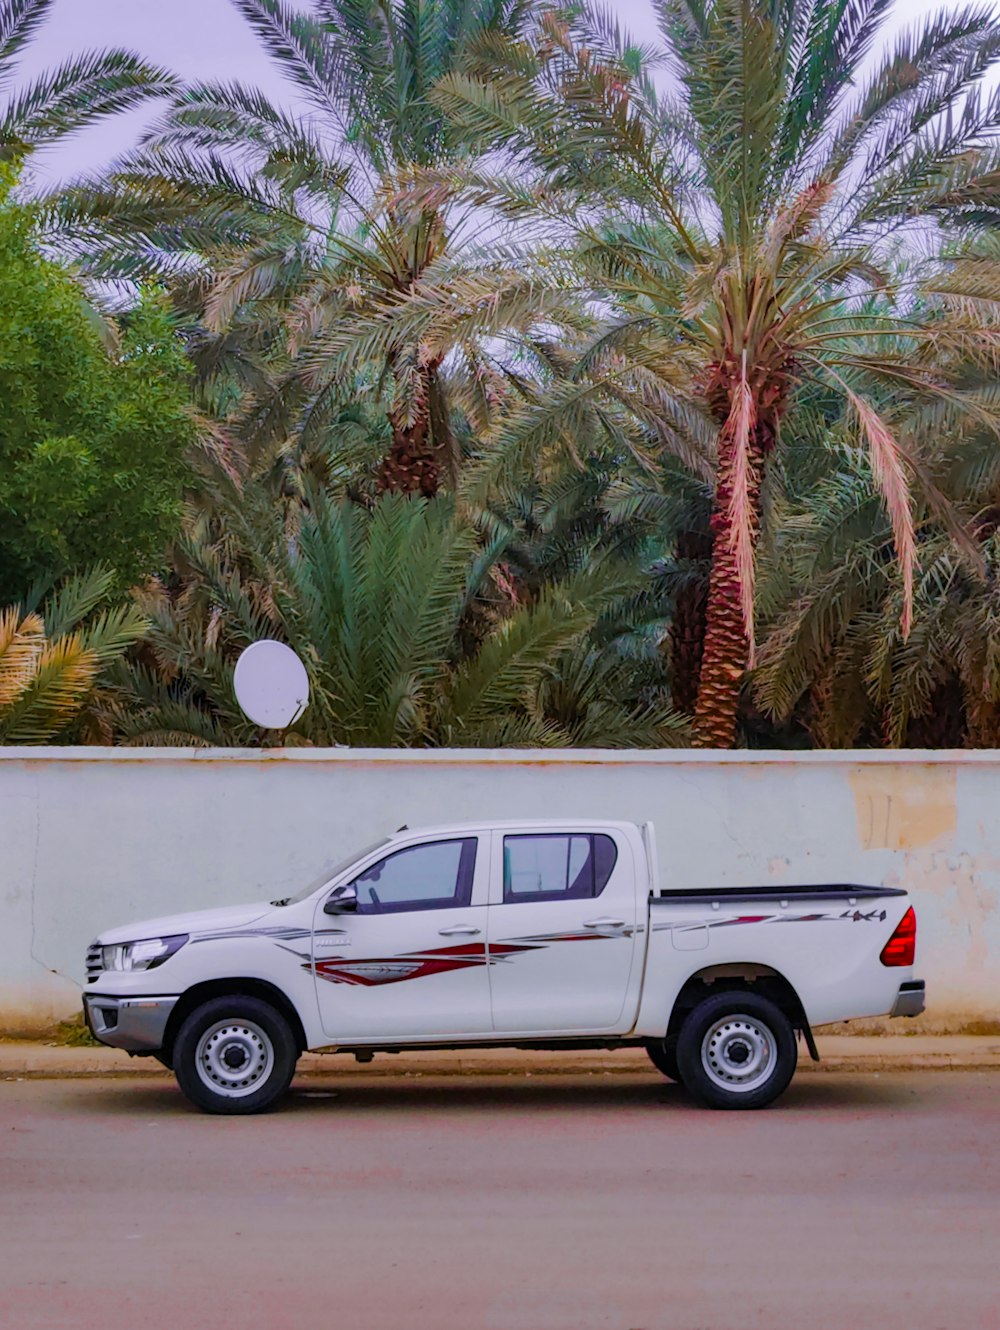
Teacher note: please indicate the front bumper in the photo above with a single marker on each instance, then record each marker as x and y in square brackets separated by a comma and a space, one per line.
[136, 1024]
[909, 999]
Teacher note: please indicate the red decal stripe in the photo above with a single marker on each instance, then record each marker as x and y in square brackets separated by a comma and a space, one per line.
[376, 971]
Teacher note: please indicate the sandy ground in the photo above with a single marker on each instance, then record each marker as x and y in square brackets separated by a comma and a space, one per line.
[536, 1202]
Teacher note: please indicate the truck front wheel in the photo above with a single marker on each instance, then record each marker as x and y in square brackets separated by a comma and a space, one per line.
[234, 1055]
[736, 1050]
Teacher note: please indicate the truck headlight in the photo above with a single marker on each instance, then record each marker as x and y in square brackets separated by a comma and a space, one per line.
[146, 954]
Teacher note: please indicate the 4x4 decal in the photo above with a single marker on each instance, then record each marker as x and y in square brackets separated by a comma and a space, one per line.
[731, 921]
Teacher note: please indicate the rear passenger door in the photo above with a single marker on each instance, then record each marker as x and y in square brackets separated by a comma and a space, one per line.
[562, 924]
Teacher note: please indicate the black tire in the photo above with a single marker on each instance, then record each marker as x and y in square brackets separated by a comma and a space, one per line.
[210, 1044]
[663, 1055]
[736, 1050]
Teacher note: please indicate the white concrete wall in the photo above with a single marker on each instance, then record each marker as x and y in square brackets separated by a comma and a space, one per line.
[91, 838]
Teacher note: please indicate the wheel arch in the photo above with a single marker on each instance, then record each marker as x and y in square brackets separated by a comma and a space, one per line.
[194, 997]
[736, 977]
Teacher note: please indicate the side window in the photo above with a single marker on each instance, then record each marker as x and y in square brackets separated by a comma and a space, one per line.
[549, 868]
[436, 876]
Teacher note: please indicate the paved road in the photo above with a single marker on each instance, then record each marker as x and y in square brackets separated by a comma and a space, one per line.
[491, 1203]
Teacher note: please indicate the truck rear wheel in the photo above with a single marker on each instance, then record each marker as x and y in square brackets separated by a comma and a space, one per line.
[663, 1055]
[736, 1050]
[234, 1055]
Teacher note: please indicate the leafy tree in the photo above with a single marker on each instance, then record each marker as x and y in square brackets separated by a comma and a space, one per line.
[85, 89]
[745, 231]
[50, 660]
[94, 422]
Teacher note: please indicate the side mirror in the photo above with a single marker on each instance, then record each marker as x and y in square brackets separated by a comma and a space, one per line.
[342, 900]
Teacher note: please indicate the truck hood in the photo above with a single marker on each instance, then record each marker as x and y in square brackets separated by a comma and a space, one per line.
[194, 921]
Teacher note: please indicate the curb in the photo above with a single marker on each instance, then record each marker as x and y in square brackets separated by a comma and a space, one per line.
[839, 1054]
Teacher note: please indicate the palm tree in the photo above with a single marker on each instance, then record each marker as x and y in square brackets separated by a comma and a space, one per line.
[306, 232]
[748, 230]
[833, 660]
[377, 602]
[51, 659]
[84, 89]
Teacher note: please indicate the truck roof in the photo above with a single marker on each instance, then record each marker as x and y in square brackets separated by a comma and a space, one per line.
[514, 824]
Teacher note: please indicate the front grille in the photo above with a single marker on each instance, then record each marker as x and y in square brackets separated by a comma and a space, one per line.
[95, 962]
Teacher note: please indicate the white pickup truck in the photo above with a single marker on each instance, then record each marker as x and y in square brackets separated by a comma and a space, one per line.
[552, 935]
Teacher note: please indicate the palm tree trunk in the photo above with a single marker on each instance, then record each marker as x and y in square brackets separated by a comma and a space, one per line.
[724, 659]
[417, 461]
[687, 627]
[727, 648]
[411, 466]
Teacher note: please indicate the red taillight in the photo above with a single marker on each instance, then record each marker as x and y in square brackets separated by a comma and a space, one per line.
[901, 947]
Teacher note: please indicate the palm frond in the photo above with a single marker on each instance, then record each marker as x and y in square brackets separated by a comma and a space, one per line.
[20, 20]
[75, 599]
[298, 44]
[63, 676]
[22, 641]
[890, 476]
[85, 89]
[505, 671]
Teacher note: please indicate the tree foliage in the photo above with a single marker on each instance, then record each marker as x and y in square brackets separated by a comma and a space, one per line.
[94, 427]
[404, 632]
[307, 233]
[745, 231]
[83, 90]
[52, 657]
[706, 366]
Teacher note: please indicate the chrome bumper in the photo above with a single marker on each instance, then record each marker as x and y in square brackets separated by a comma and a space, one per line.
[909, 999]
[136, 1024]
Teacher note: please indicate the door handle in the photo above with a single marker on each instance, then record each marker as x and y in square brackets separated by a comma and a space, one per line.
[604, 922]
[469, 930]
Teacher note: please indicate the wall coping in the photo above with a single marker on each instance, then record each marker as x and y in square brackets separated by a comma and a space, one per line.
[534, 757]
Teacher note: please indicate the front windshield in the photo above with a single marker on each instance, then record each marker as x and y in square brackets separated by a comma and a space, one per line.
[329, 874]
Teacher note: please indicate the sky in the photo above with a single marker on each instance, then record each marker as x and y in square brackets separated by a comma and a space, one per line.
[207, 39]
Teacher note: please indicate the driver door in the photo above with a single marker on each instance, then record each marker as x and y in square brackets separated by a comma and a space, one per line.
[411, 964]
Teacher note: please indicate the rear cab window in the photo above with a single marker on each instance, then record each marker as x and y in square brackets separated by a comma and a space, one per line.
[551, 867]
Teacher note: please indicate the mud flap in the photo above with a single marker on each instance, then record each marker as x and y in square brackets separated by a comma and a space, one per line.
[806, 1034]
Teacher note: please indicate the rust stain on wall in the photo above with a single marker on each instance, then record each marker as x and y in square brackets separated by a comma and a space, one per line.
[903, 808]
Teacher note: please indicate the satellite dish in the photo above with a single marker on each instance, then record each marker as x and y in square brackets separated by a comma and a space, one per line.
[271, 684]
